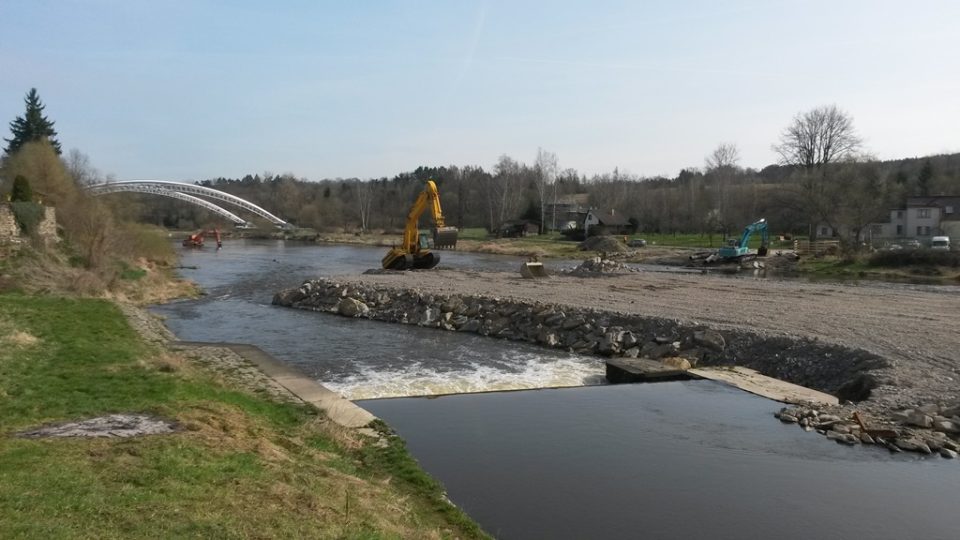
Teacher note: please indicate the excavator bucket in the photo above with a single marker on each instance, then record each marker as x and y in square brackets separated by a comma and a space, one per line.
[532, 269]
[445, 237]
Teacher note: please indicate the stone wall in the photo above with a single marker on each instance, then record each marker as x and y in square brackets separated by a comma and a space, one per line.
[837, 370]
[47, 229]
[9, 230]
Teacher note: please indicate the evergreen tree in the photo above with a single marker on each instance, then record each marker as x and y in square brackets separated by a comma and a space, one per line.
[32, 126]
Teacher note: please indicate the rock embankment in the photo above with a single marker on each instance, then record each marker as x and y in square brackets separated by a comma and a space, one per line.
[844, 372]
[588, 331]
[928, 429]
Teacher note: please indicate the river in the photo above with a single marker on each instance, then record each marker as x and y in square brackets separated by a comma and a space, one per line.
[691, 459]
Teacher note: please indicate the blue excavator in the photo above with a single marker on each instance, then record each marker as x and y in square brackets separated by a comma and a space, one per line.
[737, 250]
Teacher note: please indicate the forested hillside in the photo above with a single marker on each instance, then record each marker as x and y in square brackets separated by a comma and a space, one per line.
[713, 199]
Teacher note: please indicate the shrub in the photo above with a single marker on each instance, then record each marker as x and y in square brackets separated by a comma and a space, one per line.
[21, 190]
[915, 257]
[28, 215]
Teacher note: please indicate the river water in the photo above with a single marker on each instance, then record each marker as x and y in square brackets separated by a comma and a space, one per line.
[680, 459]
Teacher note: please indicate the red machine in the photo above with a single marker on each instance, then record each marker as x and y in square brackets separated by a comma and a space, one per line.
[196, 240]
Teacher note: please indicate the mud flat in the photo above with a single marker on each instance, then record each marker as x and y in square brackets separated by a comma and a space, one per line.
[887, 351]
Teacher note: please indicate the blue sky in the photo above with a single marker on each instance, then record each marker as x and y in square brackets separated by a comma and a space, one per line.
[182, 90]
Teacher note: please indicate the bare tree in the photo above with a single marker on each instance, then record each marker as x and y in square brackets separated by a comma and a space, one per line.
[546, 170]
[79, 167]
[817, 138]
[815, 141]
[723, 165]
[364, 192]
[501, 193]
[866, 197]
[725, 155]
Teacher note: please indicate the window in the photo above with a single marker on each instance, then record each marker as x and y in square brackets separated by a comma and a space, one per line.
[899, 230]
[919, 230]
[923, 212]
[823, 231]
[926, 231]
[899, 214]
[948, 210]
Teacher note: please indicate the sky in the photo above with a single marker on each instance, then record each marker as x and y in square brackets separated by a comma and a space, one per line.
[194, 89]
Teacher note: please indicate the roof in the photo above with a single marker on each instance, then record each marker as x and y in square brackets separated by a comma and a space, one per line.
[574, 199]
[611, 219]
[939, 201]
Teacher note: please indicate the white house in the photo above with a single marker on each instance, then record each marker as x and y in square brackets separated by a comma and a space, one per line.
[921, 219]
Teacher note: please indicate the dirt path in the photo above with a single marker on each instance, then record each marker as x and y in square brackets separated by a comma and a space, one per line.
[916, 327]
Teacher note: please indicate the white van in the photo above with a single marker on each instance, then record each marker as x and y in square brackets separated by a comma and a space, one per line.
[940, 242]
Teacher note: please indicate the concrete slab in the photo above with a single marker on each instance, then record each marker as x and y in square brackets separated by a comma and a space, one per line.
[752, 381]
[629, 370]
[339, 409]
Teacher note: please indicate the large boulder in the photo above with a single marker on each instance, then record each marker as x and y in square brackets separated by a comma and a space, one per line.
[676, 362]
[710, 339]
[289, 296]
[351, 307]
[946, 426]
[654, 352]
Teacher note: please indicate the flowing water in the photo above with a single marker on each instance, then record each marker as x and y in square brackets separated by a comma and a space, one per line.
[358, 358]
[666, 460]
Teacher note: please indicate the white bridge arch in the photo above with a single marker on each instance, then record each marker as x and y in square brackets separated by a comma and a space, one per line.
[187, 193]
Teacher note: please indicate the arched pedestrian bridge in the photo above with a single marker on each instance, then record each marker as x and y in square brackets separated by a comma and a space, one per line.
[190, 193]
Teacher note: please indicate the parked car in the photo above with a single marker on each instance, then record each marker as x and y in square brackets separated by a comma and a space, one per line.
[637, 242]
[912, 244]
[940, 242]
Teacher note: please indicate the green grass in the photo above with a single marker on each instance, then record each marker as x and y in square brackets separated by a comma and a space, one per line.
[243, 466]
[478, 233]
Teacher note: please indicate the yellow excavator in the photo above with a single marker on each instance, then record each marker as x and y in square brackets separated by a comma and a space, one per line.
[415, 252]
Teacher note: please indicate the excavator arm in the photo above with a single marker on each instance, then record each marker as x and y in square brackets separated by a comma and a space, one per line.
[739, 249]
[759, 226]
[410, 253]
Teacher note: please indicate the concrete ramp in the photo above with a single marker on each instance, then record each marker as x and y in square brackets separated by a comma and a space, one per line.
[340, 410]
[752, 381]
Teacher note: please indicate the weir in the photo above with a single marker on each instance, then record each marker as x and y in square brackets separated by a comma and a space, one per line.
[649, 348]
[634, 344]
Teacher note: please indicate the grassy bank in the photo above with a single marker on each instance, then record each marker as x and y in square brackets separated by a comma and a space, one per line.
[241, 465]
[922, 265]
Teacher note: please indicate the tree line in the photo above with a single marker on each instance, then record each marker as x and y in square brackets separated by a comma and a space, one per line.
[823, 177]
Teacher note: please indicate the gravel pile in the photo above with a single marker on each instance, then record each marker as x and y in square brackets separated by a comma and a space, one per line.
[598, 265]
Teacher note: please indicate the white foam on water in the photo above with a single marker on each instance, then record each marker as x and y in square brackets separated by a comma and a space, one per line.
[525, 372]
